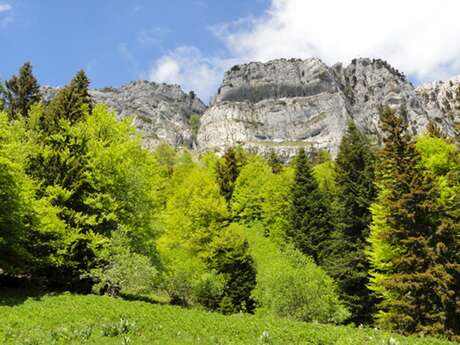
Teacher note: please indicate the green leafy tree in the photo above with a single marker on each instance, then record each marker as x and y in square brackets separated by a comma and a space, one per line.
[291, 285]
[249, 193]
[229, 255]
[355, 192]
[99, 176]
[310, 224]
[413, 247]
[22, 91]
[125, 272]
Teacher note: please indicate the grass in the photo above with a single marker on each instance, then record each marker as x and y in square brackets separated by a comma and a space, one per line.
[73, 319]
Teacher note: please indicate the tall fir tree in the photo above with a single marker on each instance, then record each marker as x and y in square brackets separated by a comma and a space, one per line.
[275, 162]
[228, 169]
[71, 103]
[310, 222]
[409, 252]
[354, 176]
[21, 92]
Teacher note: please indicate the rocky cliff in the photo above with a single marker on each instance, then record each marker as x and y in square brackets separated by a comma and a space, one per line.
[285, 104]
[161, 111]
[282, 105]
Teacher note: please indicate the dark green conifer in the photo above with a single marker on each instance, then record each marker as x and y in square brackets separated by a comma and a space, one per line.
[275, 162]
[412, 247]
[354, 175]
[228, 169]
[22, 91]
[310, 224]
[71, 103]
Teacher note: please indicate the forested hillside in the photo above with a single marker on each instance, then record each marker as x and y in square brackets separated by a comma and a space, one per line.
[372, 237]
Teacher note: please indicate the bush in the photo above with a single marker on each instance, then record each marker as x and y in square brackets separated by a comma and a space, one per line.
[290, 285]
[126, 272]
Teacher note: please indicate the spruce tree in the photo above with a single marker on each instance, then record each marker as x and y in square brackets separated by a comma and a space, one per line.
[410, 254]
[71, 103]
[354, 175]
[22, 91]
[275, 162]
[228, 169]
[310, 224]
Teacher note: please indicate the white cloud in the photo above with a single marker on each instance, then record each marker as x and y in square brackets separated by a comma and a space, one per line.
[5, 8]
[419, 37]
[188, 67]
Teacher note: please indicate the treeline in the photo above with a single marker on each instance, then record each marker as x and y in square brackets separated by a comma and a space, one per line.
[371, 237]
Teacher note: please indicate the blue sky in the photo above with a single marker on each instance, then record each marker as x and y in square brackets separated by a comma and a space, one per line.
[114, 41]
[193, 42]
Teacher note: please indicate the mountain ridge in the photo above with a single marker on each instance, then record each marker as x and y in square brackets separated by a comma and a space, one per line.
[281, 105]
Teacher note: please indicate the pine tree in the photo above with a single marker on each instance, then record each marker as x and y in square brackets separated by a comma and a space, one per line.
[22, 91]
[354, 175]
[310, 224]
[71, 103]
[228, 169]
[275, 162]
[409, 250]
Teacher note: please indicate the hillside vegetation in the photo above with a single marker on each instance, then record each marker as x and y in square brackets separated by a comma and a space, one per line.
[70, 319]
[369, 238]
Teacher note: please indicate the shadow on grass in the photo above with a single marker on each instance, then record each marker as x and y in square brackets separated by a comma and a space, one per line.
[16, 290]
[139, 298]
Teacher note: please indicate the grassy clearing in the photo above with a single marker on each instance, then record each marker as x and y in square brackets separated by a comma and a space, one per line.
[71, 319]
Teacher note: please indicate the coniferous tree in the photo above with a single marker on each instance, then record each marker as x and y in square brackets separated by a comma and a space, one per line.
[410, 254]
[228, 170]
[71, 103]
[310, 224]
[22, 91]
[354, 175]
[275, 162]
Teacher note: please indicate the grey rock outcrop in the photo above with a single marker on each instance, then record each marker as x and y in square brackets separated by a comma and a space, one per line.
[287, 104]
[160, 111]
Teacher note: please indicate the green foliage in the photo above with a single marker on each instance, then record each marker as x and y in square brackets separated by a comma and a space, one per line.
[229, 255]
[71, 103]
[354, 192]
[249, 194]
[413, 245]
[310, 224]
[290, 285]
[228, 169]
[275, 162]
[126, 272]
[98, 176]
[29, 227]
[195, 122]
[21, 92]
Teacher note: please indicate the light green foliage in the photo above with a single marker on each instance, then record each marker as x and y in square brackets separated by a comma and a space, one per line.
[125, 272]
[290, 285]
[191, 222]
[193, 211]
[250, 189]
[187, 280]
[29, 227]
[70, 319]
[276, 208]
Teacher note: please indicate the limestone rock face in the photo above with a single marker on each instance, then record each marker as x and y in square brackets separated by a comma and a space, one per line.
[160, 111]
[287, 104]
[439, 99]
